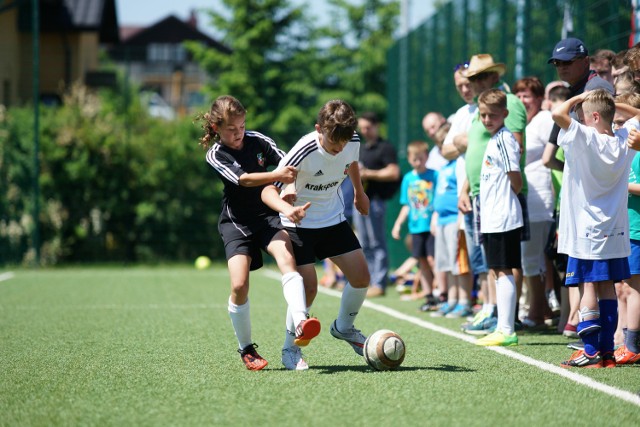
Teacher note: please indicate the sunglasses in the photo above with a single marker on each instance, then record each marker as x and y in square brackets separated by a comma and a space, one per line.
[479, 77]
[461, 66]
[558, 63]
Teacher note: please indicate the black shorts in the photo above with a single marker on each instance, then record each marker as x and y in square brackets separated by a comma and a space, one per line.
[249, 239]
[503, 249]
[321, 243]
[423, 245]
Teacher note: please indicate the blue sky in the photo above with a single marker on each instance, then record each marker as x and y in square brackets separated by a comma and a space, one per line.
[136, 12]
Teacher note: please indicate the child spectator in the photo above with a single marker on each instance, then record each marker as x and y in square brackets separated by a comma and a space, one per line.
[628, 292]
[416, 196]
[447, 248]
[594, 223]
[501, 219]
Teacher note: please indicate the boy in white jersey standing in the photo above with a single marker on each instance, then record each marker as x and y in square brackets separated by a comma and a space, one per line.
[500, 212]
[323, 160]
[594, 225]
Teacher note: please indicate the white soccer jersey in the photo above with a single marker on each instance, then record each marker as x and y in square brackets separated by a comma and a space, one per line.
[500, 209]
[594, 223]
[319, 177]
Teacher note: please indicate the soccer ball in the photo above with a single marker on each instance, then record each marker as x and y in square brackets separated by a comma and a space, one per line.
[384, 350]
[202, 262]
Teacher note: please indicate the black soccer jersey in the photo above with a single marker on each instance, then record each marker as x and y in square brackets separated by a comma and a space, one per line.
[243, 205]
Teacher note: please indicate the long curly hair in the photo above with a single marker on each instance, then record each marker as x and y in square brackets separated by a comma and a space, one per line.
[223, 108]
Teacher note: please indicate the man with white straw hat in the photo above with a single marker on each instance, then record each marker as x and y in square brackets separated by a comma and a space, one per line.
[484, 73]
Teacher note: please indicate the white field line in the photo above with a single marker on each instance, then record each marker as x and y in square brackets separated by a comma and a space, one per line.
[6, 276]
[566, 373]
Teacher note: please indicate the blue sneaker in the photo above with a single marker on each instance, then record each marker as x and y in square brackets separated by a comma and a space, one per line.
[460, 310]
[484, 327]
[444, 309]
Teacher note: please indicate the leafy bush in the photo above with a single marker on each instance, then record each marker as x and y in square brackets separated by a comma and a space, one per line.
[115, 185]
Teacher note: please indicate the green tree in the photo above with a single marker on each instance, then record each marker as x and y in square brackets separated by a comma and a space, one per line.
[265, 36]
[359, 36]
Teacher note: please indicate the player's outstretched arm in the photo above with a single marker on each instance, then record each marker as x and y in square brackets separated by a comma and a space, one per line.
[271, 197]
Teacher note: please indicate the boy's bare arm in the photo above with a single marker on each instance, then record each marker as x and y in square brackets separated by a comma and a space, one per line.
[628, 109]
[561, 115]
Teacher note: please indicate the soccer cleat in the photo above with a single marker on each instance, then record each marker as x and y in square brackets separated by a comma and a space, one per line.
[580, 359]
[353, 337]
[444, 309]
[292, 359]
[624, 356]
[498, 338]
[460, 310]
[306, 331]
[252, 360]
[608, 360]
[479, 317]
[484, 327]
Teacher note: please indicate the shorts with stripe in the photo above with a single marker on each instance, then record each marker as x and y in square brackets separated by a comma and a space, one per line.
[310, 244]
[596, 270]
[248, 239]
[503, 249]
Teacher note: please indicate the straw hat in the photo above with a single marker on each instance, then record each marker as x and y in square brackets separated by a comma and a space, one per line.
[483, 63]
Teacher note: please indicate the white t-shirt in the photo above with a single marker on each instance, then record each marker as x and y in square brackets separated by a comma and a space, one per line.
[594, 222]
[460, 124]
[500, 208]
[319, 177]
[540, 199]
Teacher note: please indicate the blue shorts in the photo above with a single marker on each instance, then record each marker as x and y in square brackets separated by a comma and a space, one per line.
[589, 270]
[476, 252]
[634, 258]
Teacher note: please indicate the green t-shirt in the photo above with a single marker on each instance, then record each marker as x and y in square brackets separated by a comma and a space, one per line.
[634, 201]
[556, 177]
[478, 138]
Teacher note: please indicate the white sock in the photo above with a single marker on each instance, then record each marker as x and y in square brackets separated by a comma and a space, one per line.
[241, 321]
[352, 300]
[506, 293]
[490, 309]
[293, 290]
[290, 331]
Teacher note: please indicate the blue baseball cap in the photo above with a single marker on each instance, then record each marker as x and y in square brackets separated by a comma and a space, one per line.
[567, 49]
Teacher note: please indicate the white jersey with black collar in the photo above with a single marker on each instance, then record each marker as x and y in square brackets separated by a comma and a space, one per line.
[319, 177]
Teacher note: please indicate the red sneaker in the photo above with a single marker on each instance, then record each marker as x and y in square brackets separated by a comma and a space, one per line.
[625, 357]
[306, 331]
[580, 359]
[252, 360]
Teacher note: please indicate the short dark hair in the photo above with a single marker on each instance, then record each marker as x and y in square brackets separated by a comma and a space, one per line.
[337, 120]
[370, 116]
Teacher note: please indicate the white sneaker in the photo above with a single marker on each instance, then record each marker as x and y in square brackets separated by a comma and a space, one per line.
[352, 336]
[292, 359]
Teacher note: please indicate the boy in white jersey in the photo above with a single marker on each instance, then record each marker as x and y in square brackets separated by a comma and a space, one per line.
[594, 224]
[500, 212]
[323, 159]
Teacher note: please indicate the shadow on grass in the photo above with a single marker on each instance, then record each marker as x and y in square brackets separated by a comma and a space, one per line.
[333, 369]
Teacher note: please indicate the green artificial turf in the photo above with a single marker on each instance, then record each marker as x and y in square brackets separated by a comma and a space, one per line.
[154, 346]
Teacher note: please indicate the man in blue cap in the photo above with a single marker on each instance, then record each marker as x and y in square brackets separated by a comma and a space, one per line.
[571, 59]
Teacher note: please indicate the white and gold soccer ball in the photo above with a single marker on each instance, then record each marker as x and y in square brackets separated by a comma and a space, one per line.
[384, 350]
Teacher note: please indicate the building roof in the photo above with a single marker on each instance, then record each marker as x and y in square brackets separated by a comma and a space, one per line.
[73, 16]
[172, 30]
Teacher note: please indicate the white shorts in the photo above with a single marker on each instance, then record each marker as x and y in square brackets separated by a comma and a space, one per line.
[447, 248]
[533, 261]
